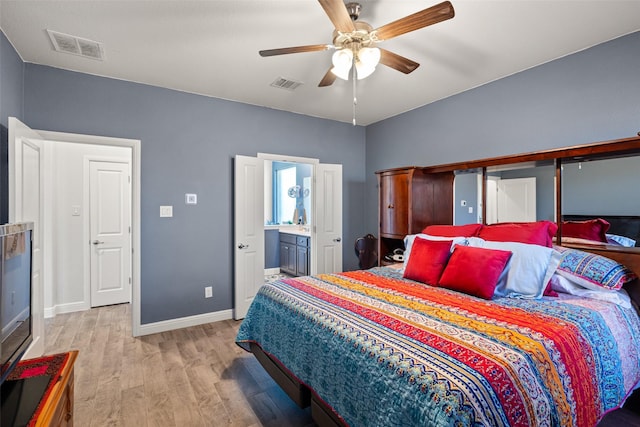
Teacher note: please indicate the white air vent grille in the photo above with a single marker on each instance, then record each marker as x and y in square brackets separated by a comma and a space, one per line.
[76, 45]
[287, 84]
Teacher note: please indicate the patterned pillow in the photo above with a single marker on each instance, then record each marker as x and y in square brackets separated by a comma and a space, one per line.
[592, 271]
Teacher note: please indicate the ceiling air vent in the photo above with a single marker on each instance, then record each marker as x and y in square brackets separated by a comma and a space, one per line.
[76, 45]
[287, 84]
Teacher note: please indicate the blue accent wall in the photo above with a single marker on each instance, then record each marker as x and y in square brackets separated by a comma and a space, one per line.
[11, 104]
[592, 95]
[11, 82]
[188, 145]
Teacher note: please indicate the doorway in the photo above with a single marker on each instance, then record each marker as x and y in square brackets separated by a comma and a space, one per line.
[79, 298]
[249, 222]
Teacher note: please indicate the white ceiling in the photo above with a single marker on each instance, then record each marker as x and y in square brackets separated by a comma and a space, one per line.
[211, 47]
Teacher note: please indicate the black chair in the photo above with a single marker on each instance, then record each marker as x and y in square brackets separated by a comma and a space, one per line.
[367, 251]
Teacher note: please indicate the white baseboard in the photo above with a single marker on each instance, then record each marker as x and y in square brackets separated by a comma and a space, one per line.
[71, 307]
[185, 322]
[269, 271]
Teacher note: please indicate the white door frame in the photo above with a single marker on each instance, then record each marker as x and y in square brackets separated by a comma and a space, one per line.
[136, 151]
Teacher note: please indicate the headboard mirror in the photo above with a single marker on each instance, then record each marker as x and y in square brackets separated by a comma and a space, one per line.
[582, 182]
[520, 192]
[604, 188]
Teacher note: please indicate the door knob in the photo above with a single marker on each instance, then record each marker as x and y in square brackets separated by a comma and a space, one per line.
[97, 242]
[337, 239]
[242, 246]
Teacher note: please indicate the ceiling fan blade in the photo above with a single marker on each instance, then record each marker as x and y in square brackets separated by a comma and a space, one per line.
[432, 15]
[328, 79]
[295, 49]
[338, 14]
[397, 62]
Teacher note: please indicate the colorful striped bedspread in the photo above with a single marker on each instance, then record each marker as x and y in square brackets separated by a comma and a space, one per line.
[384, 351]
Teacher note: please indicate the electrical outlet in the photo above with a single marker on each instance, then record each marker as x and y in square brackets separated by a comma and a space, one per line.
[208, 292]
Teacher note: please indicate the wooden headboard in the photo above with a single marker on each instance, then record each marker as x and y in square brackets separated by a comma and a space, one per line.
[623, 225]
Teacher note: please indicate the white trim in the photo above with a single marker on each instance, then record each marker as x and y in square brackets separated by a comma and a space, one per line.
[270, 271]
[185, 322]
[285, 158]
[70, 307]
[136, 152]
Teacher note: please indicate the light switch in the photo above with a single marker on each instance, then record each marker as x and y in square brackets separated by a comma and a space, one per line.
[166, 211]
[191, 199]
[470, 209]
[75, 210]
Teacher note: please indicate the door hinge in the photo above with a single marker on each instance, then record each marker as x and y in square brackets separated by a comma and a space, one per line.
[129, 177]
[129, 280]
[129, 229]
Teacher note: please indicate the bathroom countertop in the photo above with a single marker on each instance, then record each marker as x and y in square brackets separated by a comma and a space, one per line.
[291, 229]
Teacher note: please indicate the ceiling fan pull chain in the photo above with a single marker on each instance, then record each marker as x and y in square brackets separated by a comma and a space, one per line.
[355, 99]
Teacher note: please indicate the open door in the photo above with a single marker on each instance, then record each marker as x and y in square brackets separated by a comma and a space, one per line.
[328, 214]
[26, 194]
[249, 232]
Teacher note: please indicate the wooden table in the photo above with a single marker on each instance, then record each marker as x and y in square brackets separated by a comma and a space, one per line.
[56, 405]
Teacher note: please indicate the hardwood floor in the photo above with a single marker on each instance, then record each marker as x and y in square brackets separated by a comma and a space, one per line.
[195, 376]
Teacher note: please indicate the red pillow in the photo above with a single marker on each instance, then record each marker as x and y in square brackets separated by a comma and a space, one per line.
[593, 229]
[467, 230]
[535, 233]
[474, 271]
[428, 259]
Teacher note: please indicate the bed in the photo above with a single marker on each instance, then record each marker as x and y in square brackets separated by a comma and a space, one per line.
[377, 348]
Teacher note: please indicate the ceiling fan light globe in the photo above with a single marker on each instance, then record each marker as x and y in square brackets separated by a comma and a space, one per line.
[369, 56]
[363, 71]
[342, 60]
[341, 73]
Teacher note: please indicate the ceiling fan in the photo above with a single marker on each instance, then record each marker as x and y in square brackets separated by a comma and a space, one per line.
[355, 41]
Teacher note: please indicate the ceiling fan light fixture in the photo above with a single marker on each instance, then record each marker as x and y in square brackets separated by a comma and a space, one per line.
[368, 58]
[342, 60]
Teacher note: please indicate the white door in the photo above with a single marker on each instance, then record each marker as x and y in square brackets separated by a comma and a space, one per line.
[517, 200]
[492, 199]
[110, 232]
[328, 220]
[249, 232]
[26, 172]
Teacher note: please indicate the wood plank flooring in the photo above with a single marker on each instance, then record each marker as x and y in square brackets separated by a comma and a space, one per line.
[194, 376]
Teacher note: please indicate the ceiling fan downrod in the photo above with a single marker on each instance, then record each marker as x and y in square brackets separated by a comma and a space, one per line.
[354, 10]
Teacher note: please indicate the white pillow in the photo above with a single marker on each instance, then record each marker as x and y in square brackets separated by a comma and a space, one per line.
[620, 240]
[562, 284]
[528, 271]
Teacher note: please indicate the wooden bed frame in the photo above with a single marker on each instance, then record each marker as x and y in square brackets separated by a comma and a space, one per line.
[323, 414]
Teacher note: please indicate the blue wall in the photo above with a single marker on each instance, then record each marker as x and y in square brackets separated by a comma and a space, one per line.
[188, 145]
[592, 95]
[11, 82]
[11, 88]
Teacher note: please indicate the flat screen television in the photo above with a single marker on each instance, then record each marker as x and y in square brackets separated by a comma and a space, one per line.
[15, 294]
